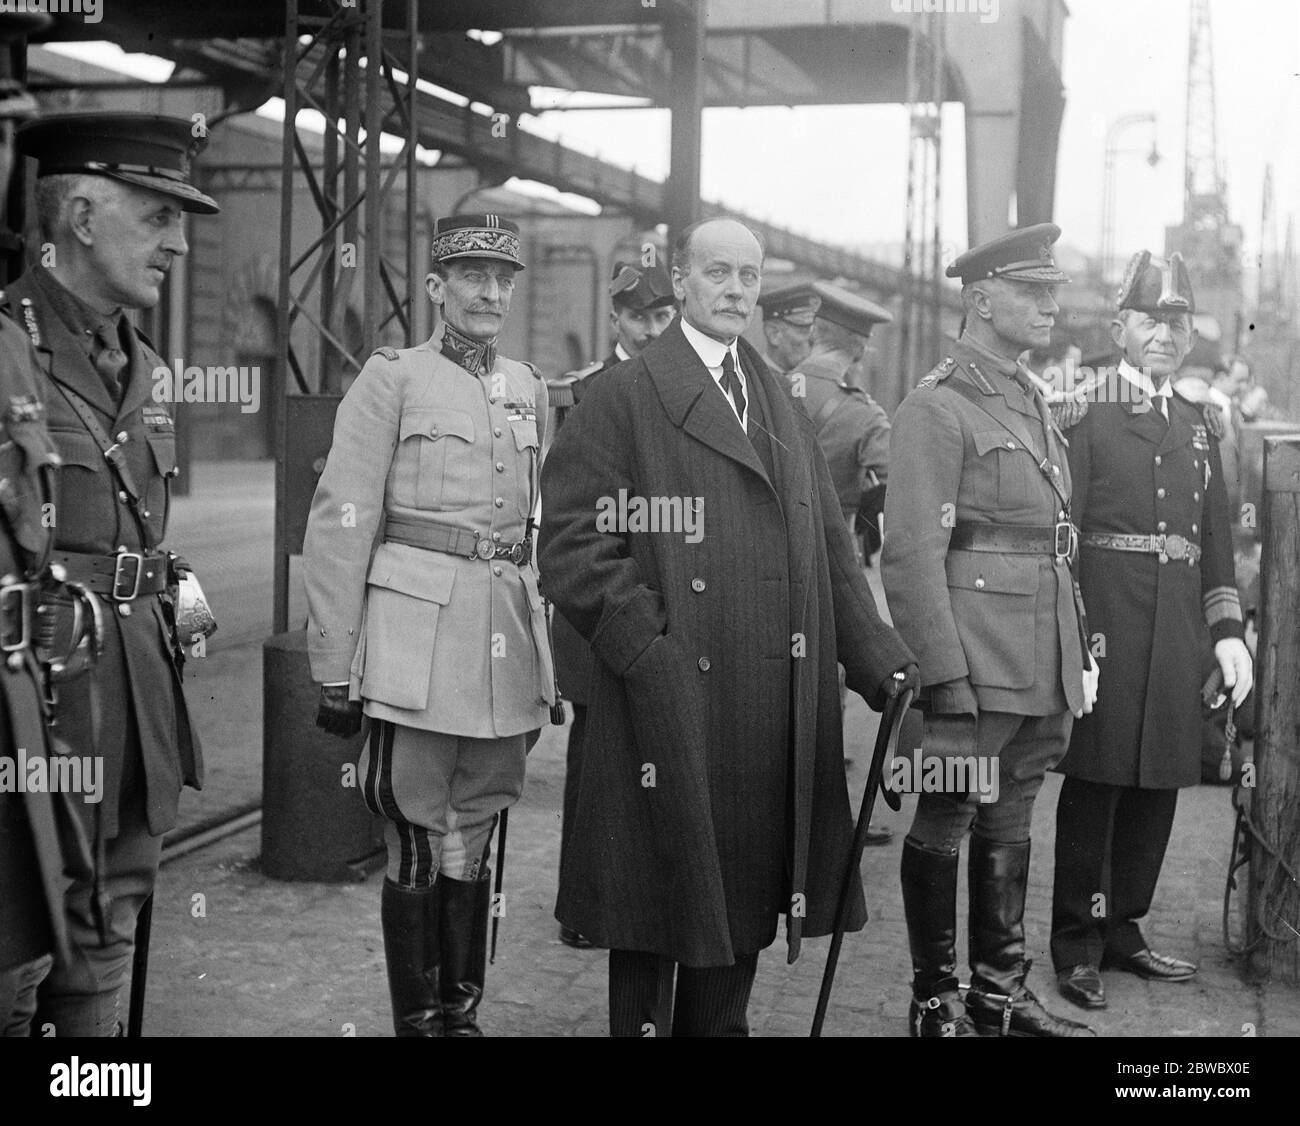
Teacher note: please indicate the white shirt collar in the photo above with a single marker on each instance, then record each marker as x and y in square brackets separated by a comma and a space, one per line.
[711, 353]
[621, 352]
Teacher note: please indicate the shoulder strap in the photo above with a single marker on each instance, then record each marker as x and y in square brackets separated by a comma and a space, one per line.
[826, 410]
[112, 452]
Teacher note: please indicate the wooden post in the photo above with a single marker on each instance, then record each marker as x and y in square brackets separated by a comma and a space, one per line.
[1274, 911]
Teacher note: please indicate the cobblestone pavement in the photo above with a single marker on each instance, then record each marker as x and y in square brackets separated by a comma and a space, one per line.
[254, 956]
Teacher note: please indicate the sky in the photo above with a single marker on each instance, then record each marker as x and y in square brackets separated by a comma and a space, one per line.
[838, 173]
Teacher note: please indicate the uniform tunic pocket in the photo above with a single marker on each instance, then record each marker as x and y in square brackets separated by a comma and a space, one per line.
[1008, 464]
[993, 601]
[405, 592]
[426, 435]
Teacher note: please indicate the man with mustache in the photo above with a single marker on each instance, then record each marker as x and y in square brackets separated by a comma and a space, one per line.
[788, 315]
[112, 191]
[713, 798]
[1156, 569]
[642, 307]
[424, 613]
[976, 566]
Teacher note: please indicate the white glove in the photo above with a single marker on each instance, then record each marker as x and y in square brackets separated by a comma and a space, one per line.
[1238, 670]
[1091, 675]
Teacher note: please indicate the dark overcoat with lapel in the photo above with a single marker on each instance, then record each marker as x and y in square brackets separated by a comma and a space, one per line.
[137, 677]
[713, 795]
[1136, 474]
[573, 659]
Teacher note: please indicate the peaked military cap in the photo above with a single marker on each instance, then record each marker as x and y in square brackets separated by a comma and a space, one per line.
[641, 287]
[1156, 285]
[848, 310]
[1023, 255]
[15, 101]
[145, 149]
[797, 304]
[477, 235]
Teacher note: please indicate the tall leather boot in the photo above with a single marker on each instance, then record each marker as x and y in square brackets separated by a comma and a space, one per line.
[411, 949]
[465, 906]
[999, 1001]
[929, 881]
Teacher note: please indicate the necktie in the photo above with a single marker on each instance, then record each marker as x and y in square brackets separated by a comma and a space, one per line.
[110, 361]
[731, 384]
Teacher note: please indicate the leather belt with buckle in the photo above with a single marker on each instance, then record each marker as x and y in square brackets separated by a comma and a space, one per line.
[1167, 547]
[1059, 541]
[123, 576]
[456, 541]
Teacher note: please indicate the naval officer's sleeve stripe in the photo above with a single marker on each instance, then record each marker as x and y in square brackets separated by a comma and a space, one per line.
[1221, 604]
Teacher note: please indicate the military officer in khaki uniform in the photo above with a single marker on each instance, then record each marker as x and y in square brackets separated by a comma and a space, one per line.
[112, 191]
[425, 613]
[788, 315]
[641, 307]
[1156, 571]
[976, 567]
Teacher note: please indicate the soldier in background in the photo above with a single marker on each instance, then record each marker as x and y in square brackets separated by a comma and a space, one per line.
[112, 191]
[788, 316]
[642, 307]
[437, 631]
[39, 839]
[1156, 570]
[852, 428]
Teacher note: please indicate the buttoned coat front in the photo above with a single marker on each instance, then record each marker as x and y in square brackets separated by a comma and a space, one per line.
[1006, 621]
[1135, 474]
[713, 794]
[428, 639]
[137, 677]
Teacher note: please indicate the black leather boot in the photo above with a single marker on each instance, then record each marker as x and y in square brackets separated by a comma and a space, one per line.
[465, 906]
[999, 1001]
[929, 881]
[411, 950]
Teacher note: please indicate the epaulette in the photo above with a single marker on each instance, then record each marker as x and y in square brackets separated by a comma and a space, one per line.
[938, 374]
[1068, 412]
[385, 351]
[852, 390]
[533, 368]
[1213, 421]
[582, 373]
[560, 393]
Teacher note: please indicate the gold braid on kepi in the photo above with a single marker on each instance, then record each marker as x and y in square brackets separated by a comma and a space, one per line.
[478, 235]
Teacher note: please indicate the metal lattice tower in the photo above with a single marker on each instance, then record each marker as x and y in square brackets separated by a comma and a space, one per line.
[1205, 201]
[920, 326]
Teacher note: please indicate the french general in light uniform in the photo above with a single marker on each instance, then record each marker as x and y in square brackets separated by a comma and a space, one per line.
[425, 613]
[1156, 570]
[111, 193]
[642, 306]
[976, 566]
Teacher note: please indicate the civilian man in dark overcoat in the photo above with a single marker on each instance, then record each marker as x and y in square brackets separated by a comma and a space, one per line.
[713, 798]
[642, 306]
[1156, 571]
[976, 566]
[112, 191]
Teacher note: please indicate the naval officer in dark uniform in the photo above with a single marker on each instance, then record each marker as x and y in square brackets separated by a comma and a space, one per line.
[641, 307]
[976, 567]
[1156, 570]
[112, 191]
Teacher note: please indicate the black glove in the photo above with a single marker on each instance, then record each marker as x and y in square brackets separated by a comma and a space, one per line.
[908, 677]
[337, 714]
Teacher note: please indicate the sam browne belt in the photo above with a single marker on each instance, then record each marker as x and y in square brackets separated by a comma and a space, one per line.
[1059, 540]
[1167, 547]
[456, 541]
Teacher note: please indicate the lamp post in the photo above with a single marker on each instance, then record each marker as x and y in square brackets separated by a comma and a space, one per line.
[1108, 183]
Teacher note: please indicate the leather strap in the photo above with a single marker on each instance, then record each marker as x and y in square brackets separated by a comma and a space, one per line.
[113, 575]
[455, 541]
[1013, 539]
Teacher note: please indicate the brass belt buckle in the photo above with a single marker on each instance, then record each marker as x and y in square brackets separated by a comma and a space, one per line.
[484, 548]
[15, 598]
[1172, 547]
[119, 581]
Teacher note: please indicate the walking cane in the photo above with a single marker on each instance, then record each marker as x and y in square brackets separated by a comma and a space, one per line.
[139, 969]
[891, 722]
[501, 871]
